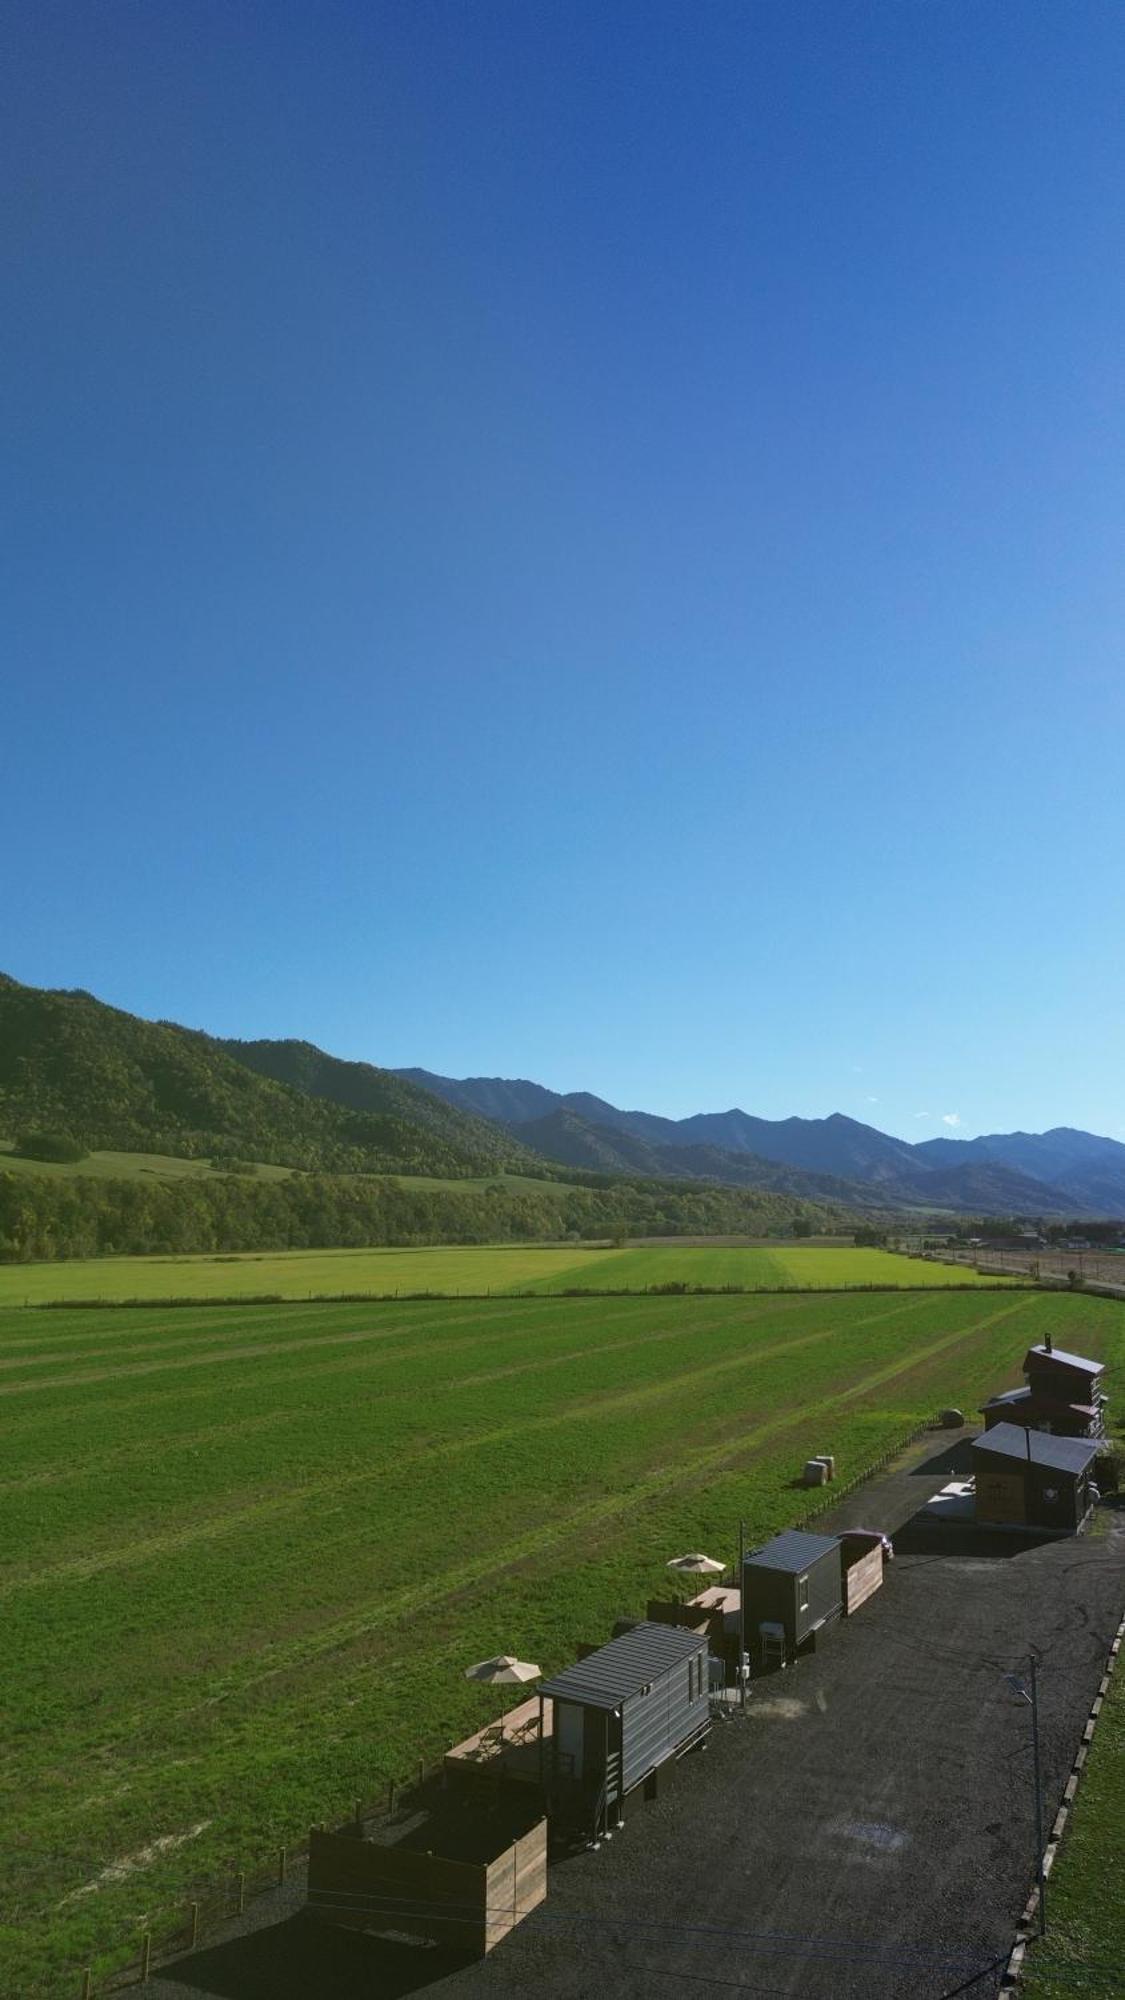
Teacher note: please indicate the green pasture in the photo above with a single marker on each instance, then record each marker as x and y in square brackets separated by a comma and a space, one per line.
[248, 1551]
[1083, 1954]
[450, 1269]
[170, 1167]
[126, 1166]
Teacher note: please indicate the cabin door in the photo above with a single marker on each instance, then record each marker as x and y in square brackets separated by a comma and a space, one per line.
[1001, 1497]
[569, 1738]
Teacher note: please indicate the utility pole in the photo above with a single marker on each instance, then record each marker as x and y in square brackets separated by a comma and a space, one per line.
[742, 1616]
[1029, 1691]
[1040, 1877]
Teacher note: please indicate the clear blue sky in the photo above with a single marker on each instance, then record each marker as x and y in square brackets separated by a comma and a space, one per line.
[578, 541]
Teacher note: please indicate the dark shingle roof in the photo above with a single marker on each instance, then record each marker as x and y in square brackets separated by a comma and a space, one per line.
[1012, 1441]
[1082, 1361]
[608, 1677]
[793, 1551]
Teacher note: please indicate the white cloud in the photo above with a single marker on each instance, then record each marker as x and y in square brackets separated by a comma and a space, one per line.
[951, 1117]
[871, 1100]
[921, 1114]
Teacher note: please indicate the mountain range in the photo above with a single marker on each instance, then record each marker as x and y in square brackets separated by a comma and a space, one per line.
[71, 1064]
[1063, 1171]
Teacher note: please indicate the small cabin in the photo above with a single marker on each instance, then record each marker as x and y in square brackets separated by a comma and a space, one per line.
[794, 1587]
[1063, 1396]
[619, 1715]
[1029, 1479]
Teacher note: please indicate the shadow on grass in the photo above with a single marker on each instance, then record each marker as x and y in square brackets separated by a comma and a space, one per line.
[301, 1959]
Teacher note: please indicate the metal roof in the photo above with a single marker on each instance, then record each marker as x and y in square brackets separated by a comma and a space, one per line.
[608, 1677]
[1012, 1441]
[1035, 1399]
[793, 1551]
[1081, 1361]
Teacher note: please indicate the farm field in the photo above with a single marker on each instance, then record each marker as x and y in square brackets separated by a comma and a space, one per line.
[449, 1269]
[1082, 1956]
[250, 1550]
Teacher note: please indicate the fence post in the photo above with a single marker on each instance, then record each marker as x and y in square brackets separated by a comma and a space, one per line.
[146, 1955]
[391, 1796]
[241, 1893]
[87, 1983]
[194, 1926]
[359, 1814]
[280, 1866]
[421, 1770]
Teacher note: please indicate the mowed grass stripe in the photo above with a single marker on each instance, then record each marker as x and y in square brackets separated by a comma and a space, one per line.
[219, 1580]
[125, 1402]
[600, 1408]
[434, 1589]
[102, 1753]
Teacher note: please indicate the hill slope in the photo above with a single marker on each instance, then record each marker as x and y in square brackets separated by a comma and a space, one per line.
[70, 1063]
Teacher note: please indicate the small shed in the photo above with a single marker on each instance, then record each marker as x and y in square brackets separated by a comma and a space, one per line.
[1029, 1479]
[795, 1581]
[619, 1715]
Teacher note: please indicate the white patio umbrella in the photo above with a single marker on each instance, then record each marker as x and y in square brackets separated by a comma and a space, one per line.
[502, 1670]
[697, 1565]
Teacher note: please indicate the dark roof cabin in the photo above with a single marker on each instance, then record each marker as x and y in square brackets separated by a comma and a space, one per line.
[1063, 1395]
[1026, 1479]
[794, 1583]
[620, 1714]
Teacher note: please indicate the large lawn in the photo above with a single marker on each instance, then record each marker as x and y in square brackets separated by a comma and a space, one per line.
[302, 1274]
[249, 1550]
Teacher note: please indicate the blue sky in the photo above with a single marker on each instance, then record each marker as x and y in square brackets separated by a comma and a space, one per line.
[578, 542]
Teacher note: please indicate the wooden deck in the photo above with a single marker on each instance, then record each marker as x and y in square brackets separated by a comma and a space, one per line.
[506, 1748]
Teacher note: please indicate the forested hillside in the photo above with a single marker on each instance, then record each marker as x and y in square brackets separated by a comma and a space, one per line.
[81, 1217]
[70, 1064]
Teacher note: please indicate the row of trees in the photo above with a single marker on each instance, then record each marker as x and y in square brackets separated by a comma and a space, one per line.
[43, 1218]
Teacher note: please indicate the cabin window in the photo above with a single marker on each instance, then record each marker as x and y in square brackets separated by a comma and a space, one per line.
[802, 1593]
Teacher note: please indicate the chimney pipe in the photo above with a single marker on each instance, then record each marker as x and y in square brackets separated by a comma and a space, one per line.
[1047, 1345]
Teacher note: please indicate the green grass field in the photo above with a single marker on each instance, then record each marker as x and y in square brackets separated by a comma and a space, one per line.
[248, 1551]
[299, 1274]
[170, 1167]
[1083, 1955]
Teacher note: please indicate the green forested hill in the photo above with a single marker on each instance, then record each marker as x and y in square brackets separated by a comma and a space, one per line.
[69, 1063]
[361, 1088]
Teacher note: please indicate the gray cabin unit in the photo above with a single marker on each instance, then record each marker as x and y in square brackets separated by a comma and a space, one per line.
[796, 1582]
[618, 1715]
[1029, 1479]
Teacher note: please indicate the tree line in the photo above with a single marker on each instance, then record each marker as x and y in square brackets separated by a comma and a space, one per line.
[43, 1219]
